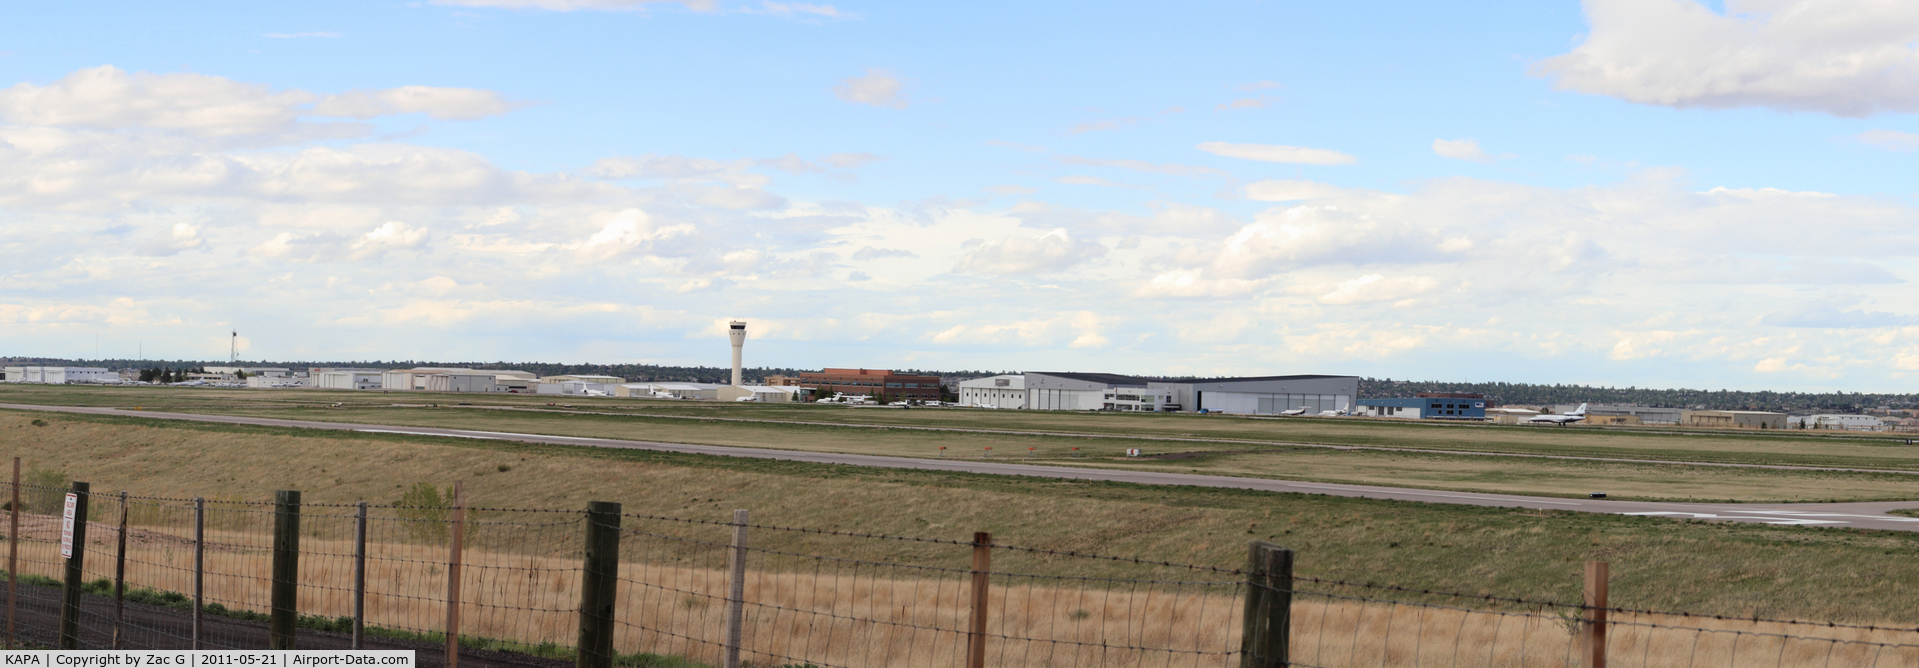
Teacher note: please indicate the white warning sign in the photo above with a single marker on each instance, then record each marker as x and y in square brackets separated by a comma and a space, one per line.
[66, 526]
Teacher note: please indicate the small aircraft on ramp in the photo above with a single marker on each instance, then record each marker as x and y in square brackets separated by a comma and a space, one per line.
[1561, 420]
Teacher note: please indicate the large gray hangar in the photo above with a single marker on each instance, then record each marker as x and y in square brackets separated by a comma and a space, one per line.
[1263, 395]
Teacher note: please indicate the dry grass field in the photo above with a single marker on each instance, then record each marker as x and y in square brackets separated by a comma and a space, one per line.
[1794, 572]
[515, 589]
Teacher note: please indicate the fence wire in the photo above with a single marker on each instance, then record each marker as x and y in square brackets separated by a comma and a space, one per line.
[809, 597]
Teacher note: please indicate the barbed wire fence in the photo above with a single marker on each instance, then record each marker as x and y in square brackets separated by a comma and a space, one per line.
[599, 587]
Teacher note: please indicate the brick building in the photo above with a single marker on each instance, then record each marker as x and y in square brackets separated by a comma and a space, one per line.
[874, 382]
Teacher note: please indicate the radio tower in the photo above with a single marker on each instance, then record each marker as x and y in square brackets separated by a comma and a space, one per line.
[233, 351]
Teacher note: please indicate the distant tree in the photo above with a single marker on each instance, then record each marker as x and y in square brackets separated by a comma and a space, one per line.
[240, 374]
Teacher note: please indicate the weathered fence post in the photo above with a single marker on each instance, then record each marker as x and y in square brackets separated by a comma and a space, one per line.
[599, 585]
[199, 566]
[982, 573]
[120, 577]
[453, 547]
[286, 568]
[1266, 639]
[13, 552]
[359, 578]
[1593, 652]
[74, 522]
[736, 591]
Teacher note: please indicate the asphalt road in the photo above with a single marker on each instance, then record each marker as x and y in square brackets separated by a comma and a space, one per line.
[1871, 515]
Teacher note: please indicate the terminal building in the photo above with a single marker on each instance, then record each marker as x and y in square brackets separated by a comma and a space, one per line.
[875, 383]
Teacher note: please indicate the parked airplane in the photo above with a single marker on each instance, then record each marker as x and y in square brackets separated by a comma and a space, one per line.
[1296, 411]
[1562, 420]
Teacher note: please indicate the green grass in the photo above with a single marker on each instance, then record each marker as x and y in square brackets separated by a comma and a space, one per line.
[1733, 569]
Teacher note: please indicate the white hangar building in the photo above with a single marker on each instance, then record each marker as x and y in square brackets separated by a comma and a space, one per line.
[1262, 395]
[1007, 391]
[1068, 391]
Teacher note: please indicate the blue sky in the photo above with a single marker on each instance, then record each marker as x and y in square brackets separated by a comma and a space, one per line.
[1629, 192]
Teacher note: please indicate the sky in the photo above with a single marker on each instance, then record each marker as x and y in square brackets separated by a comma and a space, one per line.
[1652, 193]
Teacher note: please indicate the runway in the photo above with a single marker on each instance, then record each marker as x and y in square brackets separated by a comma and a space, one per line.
[1865, 515]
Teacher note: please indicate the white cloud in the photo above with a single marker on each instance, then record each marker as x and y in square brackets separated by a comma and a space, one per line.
[878, 88]
[795, 9]
[684, 169]
[1277, 153]
[629, 231]
[1288, 191]
[852, 160]
[1460, 149]
[1257, 85]
[1083, 180]
[390, 236]
[1010, 189]
[1194, 284]
[871, 253]
[445, 104]
[1049, 253]
[1144, 166]
[1245, 103]
[109, 98]
[179, 237]
[1842, 58]
[1891, 140]
[1377, 288]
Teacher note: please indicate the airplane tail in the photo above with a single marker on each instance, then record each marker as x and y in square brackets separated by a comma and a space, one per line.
[1581, 410]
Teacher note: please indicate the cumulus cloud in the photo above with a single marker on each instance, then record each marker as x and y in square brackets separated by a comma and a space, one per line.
[630, 231]
[1843, 58]
[877, 88]
[1083, 180]
[1277, 153]
[1308, 236]
[1049, 253]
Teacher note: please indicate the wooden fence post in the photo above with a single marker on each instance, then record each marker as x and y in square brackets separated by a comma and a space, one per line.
[453, 547]
[13, 552]
[1266, 638]
[359, 578]
[76, 562]
[599, 585]
[736, 591]
[199, 568]
[1594, 638]
[120, 578]
[982, 574]
[286, 568]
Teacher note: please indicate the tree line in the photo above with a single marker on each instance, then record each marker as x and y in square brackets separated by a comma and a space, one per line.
[1734, 400]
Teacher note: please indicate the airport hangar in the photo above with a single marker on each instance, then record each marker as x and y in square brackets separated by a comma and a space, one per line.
[1261, 395]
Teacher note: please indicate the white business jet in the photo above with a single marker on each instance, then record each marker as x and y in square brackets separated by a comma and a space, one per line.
[1561, 420]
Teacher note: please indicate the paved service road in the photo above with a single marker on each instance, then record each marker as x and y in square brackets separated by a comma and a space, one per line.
[1870, 515]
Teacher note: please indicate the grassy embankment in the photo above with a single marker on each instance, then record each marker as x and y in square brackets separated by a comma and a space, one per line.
[1260, 448]
[1736, 569]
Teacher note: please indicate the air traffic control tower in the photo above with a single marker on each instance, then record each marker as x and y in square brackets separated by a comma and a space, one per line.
[736, 330]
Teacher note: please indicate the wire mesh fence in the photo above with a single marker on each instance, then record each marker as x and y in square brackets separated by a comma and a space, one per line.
[517, 587]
